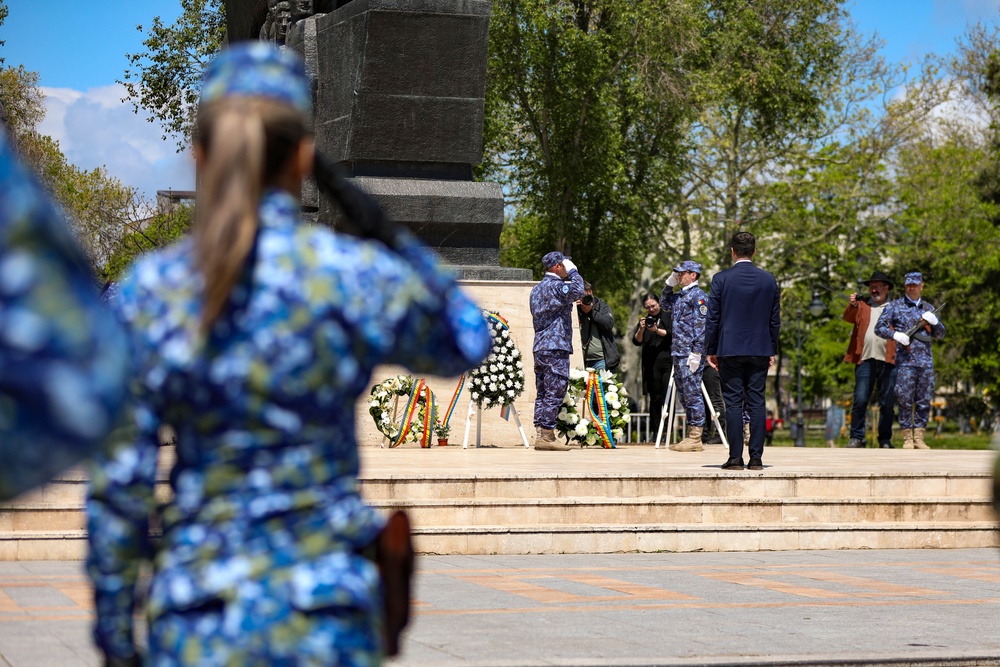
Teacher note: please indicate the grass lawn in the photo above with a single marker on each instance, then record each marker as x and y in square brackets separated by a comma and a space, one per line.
[946, 441]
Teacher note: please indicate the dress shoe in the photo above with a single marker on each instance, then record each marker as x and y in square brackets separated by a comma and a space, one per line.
[854, 443]
[885, 445]
[733, 464]
[755, 464]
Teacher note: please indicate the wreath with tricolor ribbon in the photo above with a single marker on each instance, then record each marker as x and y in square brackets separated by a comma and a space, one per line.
[605, 412]
[500, 378]
[417, 418]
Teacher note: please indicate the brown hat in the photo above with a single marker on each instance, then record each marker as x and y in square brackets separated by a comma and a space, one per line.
[878, 277]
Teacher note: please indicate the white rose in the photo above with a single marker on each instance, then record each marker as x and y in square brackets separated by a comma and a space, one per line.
[582, 427]
[618, 434]
[562, 415]
[591, 438]
[504, 333]
[614, 413]
[520, 365]
[511, 392]
[493, 368]
[493, 386]
[475, 396]
[573, 418]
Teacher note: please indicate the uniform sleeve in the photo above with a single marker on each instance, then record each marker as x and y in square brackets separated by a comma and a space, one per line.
[883, 327]
[120, 501]
[63, 360]
[575, 292]
[698, 339]
[441, 331]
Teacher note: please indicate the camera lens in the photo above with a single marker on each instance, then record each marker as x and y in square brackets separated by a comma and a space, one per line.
[651, 322]
[587, 300]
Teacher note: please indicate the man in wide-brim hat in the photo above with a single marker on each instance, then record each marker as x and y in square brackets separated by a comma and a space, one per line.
[873, 359]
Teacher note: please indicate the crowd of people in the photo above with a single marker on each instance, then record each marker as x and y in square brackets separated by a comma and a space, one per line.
[716, 349]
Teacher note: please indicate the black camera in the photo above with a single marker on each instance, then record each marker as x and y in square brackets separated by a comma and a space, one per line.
[652, 322]
[587, 300]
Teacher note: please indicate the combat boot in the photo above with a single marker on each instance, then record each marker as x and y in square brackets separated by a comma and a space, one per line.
[918, 439]
[545, 441]
[692, 443]
[907, 438]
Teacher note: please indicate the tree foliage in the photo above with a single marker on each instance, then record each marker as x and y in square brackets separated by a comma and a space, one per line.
[165, 78]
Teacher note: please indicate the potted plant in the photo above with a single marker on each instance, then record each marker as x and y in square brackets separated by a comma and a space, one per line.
[442, 431]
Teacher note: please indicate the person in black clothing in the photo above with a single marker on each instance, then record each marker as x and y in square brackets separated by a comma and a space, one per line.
[653, 334]
[597, 332]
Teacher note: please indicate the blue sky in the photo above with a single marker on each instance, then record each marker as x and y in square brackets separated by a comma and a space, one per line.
[78, 48]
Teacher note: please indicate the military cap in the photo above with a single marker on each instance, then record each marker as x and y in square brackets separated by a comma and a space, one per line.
[688, 265]
[552, 258]
[258, 69]
[914, 278]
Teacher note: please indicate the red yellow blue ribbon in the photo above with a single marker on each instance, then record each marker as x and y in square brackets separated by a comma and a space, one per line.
[430, 407]
[499, 320]
[454, 401]
[408, 412]
[601, 420]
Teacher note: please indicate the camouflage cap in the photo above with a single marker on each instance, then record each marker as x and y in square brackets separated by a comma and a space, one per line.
[552, 258]
[688, 265]
[914, 278]
[258, 69]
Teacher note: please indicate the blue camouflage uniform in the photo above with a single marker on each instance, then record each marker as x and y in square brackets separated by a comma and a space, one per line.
[260, 559]
[551, 305]
[690, 310]
[914, 363]
[63, 358]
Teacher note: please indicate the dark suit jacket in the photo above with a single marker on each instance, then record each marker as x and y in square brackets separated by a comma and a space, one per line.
[743, 313]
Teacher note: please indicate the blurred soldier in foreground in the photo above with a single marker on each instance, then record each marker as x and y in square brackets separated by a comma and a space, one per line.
[63, 358]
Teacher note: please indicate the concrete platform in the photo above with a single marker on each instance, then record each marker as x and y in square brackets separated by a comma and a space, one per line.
[801, 608]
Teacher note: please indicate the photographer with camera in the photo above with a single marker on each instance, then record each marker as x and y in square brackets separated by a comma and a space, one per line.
[597, 332]
[653, 334]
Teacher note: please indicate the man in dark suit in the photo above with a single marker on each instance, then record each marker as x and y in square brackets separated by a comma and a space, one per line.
[741, 339]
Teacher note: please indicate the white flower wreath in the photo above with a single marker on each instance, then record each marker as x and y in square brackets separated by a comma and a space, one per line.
[500, 378]
[573, 427]
[380, 408]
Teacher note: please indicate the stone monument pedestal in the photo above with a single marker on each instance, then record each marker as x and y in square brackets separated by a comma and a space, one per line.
[400, 94]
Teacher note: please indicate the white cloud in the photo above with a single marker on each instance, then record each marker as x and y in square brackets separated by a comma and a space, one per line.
[96, 128]
[970, 10]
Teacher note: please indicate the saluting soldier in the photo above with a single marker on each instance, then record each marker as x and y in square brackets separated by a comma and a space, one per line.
[914, 362]
[551, 303]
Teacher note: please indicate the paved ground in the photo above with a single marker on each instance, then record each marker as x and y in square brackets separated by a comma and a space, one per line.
[804, 607]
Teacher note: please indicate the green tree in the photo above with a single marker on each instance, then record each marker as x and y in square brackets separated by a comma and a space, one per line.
[165, 78]
[585, 107]
[162, 229]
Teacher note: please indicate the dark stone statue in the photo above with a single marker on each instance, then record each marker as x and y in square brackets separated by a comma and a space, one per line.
[271, 19]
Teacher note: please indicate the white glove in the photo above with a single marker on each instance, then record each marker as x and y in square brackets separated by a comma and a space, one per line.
[901, 338]
[673, 280]
[694, 360]
[930, 318]
[569, 265]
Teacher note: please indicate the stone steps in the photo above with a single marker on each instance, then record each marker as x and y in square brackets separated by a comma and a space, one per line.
[553, 512]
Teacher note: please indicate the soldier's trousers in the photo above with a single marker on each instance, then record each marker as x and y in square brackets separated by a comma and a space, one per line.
[914, 391]
[551, 380]
[689, 389]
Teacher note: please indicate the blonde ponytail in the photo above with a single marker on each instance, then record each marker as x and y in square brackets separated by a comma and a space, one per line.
[245, 143]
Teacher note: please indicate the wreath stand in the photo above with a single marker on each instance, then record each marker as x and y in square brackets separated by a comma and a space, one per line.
[479, 426]
[395, 406]
[670, 411]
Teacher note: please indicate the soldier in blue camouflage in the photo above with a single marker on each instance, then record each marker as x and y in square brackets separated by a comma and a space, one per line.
[690, 310]
[914, 361]
[63, 358]
[267, 553]
[551, 304]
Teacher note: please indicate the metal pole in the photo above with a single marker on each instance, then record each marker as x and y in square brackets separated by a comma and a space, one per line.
[800, 425]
